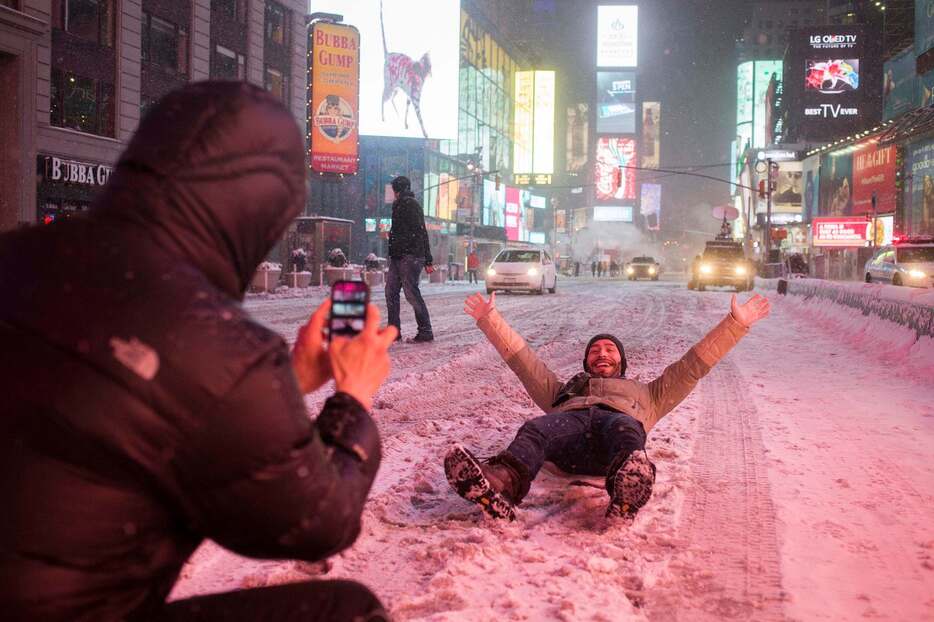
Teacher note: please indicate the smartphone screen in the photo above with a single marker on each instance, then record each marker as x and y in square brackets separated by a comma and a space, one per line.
[348, 308]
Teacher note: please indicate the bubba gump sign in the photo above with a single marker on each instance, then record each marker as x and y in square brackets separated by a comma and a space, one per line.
[61, 171]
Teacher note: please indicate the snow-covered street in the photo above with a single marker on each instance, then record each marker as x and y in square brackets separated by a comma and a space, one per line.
[796, 482]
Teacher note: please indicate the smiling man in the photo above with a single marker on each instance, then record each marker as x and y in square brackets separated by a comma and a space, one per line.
[597, 421]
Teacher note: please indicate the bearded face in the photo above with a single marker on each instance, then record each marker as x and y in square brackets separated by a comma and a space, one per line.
[604, 359]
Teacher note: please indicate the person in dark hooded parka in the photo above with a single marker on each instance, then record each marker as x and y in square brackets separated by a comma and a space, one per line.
[144, 411]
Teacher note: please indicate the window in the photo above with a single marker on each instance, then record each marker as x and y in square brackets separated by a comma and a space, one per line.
[82, 104]
[277, 21]
[92, 20]
[277, 84]
[164, 44]
[232, 9]
[227, 64]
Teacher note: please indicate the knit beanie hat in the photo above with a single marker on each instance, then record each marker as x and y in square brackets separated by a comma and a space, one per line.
[619, 346]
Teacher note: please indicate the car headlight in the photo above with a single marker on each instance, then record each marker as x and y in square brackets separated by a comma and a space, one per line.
[741, 270]
[533, 271]
[916, 274]
[491, 272]
[630, 270]
[706, 268]
[651, 270]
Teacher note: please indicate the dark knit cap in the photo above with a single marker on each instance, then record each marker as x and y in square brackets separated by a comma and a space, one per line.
[619, 346]
[401, 183]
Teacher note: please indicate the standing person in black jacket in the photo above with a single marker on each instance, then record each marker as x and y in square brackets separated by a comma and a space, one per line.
[409, 252]
[144, 410]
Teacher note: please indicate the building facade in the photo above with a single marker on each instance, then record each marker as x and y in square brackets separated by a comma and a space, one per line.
[766, 33]
[80, 74]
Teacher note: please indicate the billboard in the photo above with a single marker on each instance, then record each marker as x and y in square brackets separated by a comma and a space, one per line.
[846, 232]
[764, 72]
[834, 81]
[651, 134]
[836, 183]
[534, 123]
[615, 153]
[612, 213]
[409, 74]
[810, 174]
[924, 27]
[873, 174]
[787, 196]
[616, 102]
[578, 134]
[898, 85]
[494, 204]
[617, 35]
[513, 214]
[650, 205]
[334, 98]
[919, 203]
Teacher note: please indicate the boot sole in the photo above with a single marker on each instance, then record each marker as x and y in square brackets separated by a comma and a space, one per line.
[632, 486]
[467, 480]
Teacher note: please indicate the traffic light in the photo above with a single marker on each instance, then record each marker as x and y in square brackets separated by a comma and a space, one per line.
[617, 178]
[761, 188]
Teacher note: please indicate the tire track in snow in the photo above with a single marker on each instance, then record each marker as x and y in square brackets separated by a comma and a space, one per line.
[730, 566]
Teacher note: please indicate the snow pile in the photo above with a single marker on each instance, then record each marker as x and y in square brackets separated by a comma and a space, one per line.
[895, 324]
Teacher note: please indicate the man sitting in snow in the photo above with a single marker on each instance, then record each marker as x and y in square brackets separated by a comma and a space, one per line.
[598, 420]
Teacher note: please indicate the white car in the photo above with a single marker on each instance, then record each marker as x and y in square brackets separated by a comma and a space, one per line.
[908, 263]
[522, 269]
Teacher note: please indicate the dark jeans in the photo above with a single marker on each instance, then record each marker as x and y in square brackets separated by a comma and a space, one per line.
[584, 442]
[326, 601]
[472, 276]
[404, 273]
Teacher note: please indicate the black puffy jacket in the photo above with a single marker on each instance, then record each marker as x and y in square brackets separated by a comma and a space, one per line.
[142, 409]
[408, 235]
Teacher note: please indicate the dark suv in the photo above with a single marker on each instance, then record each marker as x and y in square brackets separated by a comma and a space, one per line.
[723, 264]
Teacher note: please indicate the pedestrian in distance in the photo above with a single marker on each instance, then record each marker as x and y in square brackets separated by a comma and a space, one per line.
[577, 268]
[160, 415]
[409, 253]
[596, 422]
[473, 264]
[593, 268]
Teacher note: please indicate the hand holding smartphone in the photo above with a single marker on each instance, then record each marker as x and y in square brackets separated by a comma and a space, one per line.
[349, 300]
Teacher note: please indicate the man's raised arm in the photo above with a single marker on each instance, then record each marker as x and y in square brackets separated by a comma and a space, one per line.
[540, 382]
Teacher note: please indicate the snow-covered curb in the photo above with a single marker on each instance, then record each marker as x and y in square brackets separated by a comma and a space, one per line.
[894, 323]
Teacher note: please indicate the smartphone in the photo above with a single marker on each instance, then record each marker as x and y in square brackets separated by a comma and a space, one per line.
[348, 308]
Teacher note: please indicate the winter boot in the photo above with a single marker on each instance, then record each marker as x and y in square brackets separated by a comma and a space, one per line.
[491, 486]
[630, 486]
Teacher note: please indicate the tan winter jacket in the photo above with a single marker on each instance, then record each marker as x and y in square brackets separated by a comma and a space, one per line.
[646, 402]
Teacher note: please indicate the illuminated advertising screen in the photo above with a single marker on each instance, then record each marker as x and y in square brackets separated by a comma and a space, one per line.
[523, 115]
[409, 74]
[787, 196]
[616, 102]
[810, 175]
[898, 85]
[578, 133]
[513, 214]
[874, 174]
[924, 27]
[534, 123]
[651, 134]
[494, 204]
[612, 213]
[841, 232]
[919, 199]
[763, 72]
[617, 36]
[543, 147]
[650, 205]
[615, 153]
[836, 184]
[834, 80]
[334, 98]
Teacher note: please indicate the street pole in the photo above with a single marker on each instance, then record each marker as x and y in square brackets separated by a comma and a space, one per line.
[768, 214]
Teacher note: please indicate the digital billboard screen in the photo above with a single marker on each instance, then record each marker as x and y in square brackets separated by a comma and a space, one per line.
[651, 134]
[534, 124]
[612, 213]
[615, 153]
[617, 35]
[834, 81]
[616, 102]
[578, 133]
[650, 205]
[409, 74]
